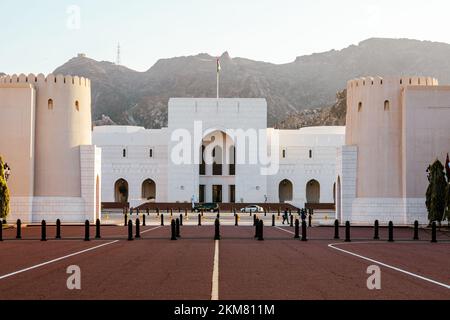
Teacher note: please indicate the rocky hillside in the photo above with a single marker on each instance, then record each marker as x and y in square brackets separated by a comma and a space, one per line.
[328, 116]
[310, 82]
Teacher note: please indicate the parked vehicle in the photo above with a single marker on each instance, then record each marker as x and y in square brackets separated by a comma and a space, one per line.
[207, 207]
[252, 209]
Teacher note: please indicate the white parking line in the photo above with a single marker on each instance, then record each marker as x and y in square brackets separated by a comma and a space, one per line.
[215, 277]
[333, 246]
[56, 260]
[279, 228]
[65, 257]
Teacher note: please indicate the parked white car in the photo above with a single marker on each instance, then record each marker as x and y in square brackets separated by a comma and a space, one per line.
[252, 209]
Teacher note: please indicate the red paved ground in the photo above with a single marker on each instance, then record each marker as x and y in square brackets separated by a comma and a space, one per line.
[278, 268]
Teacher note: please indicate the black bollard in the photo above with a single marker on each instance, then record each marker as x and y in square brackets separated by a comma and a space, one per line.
[433, 232]
[1, 230]
[416, 230]
[273, 220]
[130, 230]
[297, 229]
[173, 230]
[217, 230]
[86, 230]
[43, 231]
[261, 230]
[199, 219]
[148, 211]
[347, 232]
[265, 212]
[336, 229]
[310, 220]
[97, 229]
[304, 236]
[391, 232]
[138, 229]
[254, 220]
[157, 212]
[186, 213]
[236, 220]
[256, 228]
[376, 235]
[125, 217]
[143, 220]
[177, 228]
[58, 229]
[292, 220]
[181, 219]
[162, 219]
[279, 213]
[19, 229]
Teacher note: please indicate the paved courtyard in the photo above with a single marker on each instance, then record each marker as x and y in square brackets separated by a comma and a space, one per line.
[236, 267]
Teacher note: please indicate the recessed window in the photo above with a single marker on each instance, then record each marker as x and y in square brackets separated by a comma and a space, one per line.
[77, 105]
[310, 154]
[151, 153]
[360, 106]
[387, 105]
[124, 153]
[50, 104]
[284, 153]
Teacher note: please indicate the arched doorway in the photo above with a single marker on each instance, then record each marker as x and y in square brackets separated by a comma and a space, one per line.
[121, 191]
[149, 190]
[285, 191]
[338, 200]
[313, 192]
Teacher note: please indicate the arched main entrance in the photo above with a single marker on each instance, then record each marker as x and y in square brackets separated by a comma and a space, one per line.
[286, 191]
[313, 192]
[149, 190]
[217, 168]
[121, 191]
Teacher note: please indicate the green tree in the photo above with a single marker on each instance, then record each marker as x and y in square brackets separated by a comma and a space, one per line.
[436, 192]
[4, 193]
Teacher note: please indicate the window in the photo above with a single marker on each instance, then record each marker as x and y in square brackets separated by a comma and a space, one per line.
[360, 106]
[124, 153]
[310, 154]
[151, 153]
[386, 105]
[50, 104]
[77, 105]
[284, 153]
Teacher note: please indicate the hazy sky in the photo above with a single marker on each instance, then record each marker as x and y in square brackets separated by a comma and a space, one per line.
[37, 36]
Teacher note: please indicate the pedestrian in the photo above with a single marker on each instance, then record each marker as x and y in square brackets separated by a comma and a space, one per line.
[303, 215]
[285, 216]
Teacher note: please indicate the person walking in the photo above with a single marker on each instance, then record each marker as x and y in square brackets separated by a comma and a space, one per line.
[285, 216]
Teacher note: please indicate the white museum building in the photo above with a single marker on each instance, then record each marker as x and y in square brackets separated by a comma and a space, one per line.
[243, 160]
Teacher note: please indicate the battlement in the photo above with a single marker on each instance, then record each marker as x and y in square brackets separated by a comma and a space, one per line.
[400, 81]
[41, 79]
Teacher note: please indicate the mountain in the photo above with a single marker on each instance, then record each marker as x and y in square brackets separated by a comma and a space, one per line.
[310, 82]
[328, 116]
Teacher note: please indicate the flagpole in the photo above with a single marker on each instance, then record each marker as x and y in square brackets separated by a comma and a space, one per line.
[218, 73]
